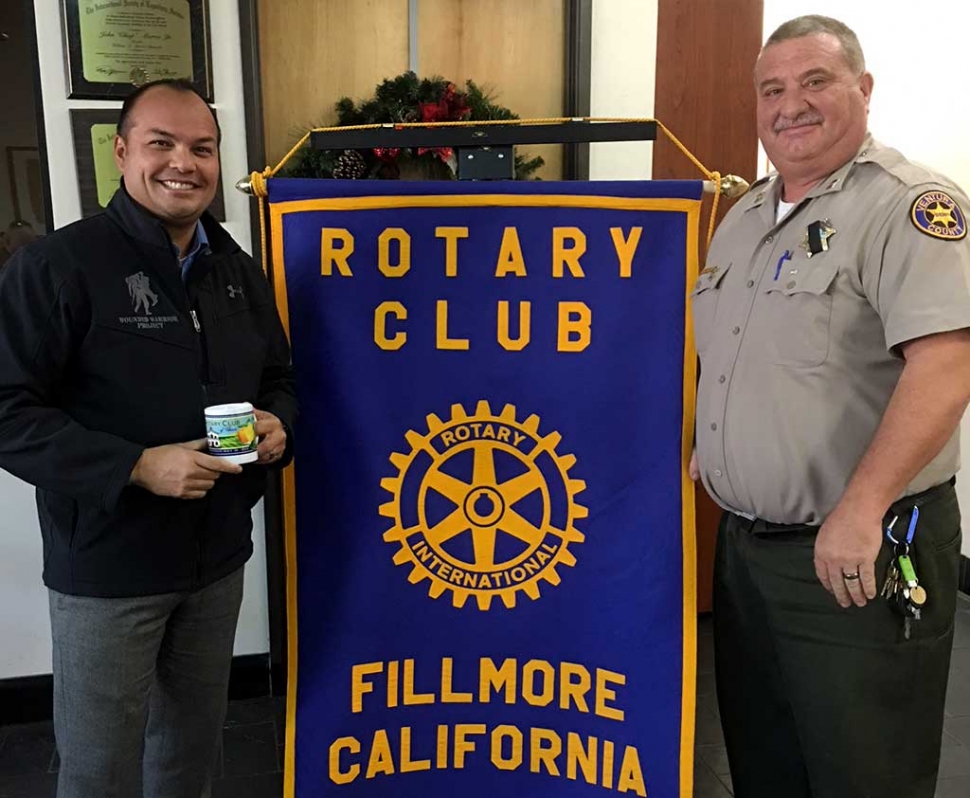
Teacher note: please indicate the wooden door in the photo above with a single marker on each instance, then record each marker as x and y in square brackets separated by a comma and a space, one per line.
[313, 52]
[516, 49]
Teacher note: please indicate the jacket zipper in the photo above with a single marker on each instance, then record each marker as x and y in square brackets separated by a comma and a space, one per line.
[203, 375]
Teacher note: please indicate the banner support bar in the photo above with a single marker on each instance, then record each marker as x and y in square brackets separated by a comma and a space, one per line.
[731, 186]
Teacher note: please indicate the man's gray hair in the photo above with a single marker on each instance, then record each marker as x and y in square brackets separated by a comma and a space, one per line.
[811, 24]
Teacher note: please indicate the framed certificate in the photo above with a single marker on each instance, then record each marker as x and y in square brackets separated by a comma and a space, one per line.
[98, 177]
[115, 45]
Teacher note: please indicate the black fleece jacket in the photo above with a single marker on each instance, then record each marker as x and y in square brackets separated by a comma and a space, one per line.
[104, 352]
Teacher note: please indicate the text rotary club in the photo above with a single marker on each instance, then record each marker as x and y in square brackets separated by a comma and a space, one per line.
[394, 260]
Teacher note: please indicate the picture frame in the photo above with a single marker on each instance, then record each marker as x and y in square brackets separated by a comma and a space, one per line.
[113, 46]
[93, 130]
[27, 186]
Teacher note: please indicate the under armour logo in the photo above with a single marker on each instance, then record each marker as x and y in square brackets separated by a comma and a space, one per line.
[234, 292]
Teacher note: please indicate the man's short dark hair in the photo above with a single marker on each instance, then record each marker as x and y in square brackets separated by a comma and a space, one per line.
[175, 84]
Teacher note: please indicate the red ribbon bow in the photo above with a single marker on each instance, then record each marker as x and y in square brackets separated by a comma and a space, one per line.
[450, 108]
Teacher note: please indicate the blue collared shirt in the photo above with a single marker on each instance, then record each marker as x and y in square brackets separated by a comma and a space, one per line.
[201, 245]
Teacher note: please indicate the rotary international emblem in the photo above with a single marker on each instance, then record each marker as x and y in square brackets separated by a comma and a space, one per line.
[483, 506]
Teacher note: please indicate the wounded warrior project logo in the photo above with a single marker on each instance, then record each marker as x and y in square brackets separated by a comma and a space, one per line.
[143, 299]
[483, 506]
[140, 291]
[937, 214]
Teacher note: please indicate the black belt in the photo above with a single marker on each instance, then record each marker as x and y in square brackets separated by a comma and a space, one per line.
[757, 526]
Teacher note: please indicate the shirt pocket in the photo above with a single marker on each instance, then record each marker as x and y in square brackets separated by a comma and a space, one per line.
[704, 298]
[797, 316]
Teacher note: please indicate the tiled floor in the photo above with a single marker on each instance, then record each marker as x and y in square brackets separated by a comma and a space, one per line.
[252, 751]
[249, 766]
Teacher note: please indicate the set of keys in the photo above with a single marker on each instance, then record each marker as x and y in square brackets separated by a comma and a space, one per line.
[902, 588]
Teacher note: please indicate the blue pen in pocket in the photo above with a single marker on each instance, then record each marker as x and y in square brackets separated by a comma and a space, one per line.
[781, 260]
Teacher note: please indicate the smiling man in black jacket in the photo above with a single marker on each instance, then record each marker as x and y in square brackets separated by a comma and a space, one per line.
[115, 333]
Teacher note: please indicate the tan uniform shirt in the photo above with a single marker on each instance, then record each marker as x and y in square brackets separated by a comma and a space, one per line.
[797, 353]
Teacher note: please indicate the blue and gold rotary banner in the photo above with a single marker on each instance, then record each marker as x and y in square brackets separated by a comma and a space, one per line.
[490, 524]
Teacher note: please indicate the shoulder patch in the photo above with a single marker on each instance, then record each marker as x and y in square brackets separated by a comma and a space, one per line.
[937, 214]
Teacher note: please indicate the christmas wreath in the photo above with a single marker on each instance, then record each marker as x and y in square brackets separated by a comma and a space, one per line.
[406, 98]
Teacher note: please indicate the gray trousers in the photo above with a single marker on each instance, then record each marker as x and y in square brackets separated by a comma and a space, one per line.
[140, 690]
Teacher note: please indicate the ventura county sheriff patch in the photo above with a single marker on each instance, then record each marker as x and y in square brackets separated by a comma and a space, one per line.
[937, 214]
[470, 532]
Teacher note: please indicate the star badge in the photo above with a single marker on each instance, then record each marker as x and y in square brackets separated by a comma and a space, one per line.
[817, 237]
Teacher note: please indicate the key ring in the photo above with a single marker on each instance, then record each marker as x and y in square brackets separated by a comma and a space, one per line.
[909, 533]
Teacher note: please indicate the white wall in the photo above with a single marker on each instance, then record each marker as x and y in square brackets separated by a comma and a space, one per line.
[921, 112]
[622, 84]
[927, 120]
[24, 622]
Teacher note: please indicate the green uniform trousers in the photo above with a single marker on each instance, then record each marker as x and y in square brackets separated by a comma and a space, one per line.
[817, 701]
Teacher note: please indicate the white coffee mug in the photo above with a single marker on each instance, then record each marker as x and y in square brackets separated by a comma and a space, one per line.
[231, 432]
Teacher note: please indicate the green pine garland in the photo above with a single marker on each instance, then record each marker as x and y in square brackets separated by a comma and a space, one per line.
[399, 100]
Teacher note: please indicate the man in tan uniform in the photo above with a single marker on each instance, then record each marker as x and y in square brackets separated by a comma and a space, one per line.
[832, 325]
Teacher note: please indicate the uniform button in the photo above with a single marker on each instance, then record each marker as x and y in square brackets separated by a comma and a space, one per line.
[714, 427]
[790, 284]
[717, 472]
[736, 330]
[864, 153]
[769, 239]
[750, 283]
[721, 379]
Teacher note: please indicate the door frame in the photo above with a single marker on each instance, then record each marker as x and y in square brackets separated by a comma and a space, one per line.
[30, 25]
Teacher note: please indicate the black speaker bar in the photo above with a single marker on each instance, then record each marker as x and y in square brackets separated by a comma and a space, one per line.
[486, 136]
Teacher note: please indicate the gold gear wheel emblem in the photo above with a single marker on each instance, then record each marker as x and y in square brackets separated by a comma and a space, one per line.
[502, 526]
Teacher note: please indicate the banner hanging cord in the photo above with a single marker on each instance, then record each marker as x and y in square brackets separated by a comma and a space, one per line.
[257, 180]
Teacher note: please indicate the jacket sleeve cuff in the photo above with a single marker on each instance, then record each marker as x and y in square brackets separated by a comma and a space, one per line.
[121, 476]
[287, 456]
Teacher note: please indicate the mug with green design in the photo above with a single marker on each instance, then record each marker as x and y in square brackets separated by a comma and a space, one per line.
[231, 432]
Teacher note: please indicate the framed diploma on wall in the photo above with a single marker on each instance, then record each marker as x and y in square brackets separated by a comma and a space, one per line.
[98, 176]
[115, 45]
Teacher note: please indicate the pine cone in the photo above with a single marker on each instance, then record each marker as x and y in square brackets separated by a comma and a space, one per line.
[350, 166]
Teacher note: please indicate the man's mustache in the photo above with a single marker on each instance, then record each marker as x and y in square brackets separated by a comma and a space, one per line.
[809, 118]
